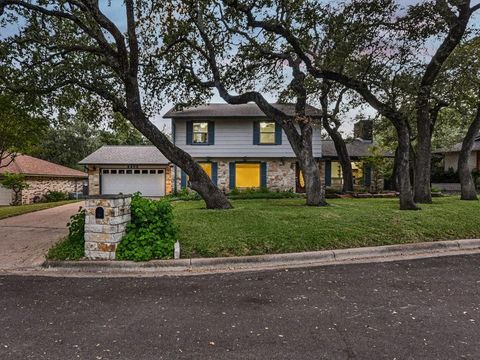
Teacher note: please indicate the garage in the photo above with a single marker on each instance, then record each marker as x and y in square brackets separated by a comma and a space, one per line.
[150, 182]
[5, 196]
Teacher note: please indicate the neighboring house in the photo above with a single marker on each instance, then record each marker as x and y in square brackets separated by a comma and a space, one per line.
[450, 156]
[358, 150]
[239, 147]
[127, 170]
[42, 176]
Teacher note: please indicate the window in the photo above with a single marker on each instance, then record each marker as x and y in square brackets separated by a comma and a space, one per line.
[113, 172]
[207, 167]
[144, 171]
[267, 133]
[153, 171]
[136, 171]
[247, 175]
[106, 171]
[129, 171]
[121, 171]
[200, 132]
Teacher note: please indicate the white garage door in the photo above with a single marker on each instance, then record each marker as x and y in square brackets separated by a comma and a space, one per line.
[5, 196]
[150, 182]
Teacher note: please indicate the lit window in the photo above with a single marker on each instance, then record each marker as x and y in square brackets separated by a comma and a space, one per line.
[200, 132]
[247, 175]
[207, 167]
[267, 133]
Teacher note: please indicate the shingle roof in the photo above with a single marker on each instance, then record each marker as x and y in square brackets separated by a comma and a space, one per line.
[31, 166]
[457, 147]
[356, 149]
[250, 110]
[125, 154]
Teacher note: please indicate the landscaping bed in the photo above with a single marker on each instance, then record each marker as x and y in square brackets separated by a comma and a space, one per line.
[9, 211]
[257, 227]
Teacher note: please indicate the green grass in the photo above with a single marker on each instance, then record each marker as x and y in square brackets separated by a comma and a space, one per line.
[256, 227]
[9, 211]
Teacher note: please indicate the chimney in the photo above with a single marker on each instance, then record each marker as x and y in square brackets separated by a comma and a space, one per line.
[363, 129]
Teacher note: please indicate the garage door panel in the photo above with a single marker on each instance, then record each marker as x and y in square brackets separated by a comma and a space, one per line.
[5, 196]
[148, 184]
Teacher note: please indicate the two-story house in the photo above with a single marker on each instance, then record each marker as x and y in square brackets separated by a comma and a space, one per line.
[238, 146]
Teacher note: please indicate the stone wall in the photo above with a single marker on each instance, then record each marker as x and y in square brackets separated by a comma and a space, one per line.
[106, 219]
[39, 187]
[280, 175]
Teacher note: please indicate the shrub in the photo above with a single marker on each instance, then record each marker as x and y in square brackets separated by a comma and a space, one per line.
[151, 233]
[261, 193]
[73, 246]
[54, 196]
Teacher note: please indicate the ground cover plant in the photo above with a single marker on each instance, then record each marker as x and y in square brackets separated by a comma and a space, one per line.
[73, 246]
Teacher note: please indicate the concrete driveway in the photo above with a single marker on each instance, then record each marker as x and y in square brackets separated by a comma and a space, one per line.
[24, 239]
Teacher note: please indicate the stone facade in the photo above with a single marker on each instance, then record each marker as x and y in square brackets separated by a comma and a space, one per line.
[94, 177]
[106, 219]
[38, 187]
[281, 174]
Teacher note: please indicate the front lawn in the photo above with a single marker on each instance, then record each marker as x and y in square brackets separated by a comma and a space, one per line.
[280, 226]
[9, 211]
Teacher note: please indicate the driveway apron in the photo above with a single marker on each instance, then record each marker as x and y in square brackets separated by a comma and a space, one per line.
[25, 239]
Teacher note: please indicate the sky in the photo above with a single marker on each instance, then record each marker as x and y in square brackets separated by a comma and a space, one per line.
[115, 11]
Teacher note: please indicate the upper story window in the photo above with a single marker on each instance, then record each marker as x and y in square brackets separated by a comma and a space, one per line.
[267, 132]
[200, 132]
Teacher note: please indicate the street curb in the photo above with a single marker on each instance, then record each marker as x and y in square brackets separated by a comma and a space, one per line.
[375, 253]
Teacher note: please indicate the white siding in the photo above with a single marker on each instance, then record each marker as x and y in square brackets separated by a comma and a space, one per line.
[451, 161]
[234, 138]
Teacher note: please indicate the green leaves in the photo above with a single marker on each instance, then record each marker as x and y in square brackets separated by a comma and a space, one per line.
[151, 233]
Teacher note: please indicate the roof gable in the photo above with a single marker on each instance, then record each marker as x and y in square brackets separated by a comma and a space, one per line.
[126, 154]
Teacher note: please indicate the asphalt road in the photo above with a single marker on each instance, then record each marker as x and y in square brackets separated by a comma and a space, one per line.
[422, 309]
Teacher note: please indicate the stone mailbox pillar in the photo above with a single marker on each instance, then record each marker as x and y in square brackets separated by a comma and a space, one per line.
[106, 219]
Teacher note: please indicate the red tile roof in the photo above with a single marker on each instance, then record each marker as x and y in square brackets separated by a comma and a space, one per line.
[31, 166]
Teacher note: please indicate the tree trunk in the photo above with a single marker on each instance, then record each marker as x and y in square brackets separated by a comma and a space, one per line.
[423, 159]
[394, 178]
[343, 156]
[469, 192]
[199, 180]
[308, 164]
[403, 168]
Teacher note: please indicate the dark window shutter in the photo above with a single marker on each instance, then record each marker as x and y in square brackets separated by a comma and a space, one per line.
[211, 133]
[256, 133]
[263, 174]
[232, 175]
[214, 172]
[189, 133]
[278, 134]
[183, 180]
[328, 173]
[367, 175]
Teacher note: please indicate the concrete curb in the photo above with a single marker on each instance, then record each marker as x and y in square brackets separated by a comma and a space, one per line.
[376, 253]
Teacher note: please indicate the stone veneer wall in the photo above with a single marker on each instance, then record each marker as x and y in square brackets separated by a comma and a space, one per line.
[94, 178]
[39, 187]
[280, 175]
[104, 233]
